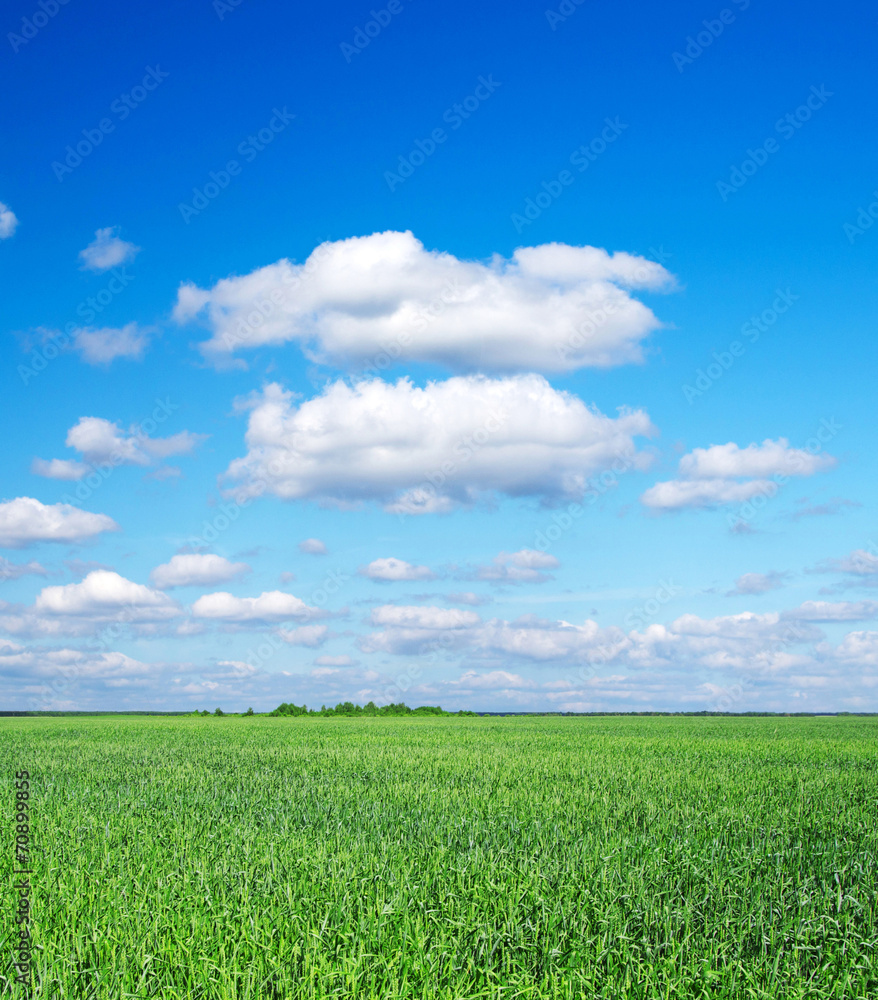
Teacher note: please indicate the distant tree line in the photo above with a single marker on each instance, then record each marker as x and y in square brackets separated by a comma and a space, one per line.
[348, 708]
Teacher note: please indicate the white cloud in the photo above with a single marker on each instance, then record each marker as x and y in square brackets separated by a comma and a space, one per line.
[312, 546]
[423, 616]
[417, 629]
[468, 597]
[107, 250]
[73, 664]
[311, 636]
[25, 521]
[549, 308]
[729, 461]
[99, 440]
[165, 472]
[496, 681]
[860, 648]
[677, 493]
[747, 625]
[839, 611]
[271, 605]
[524, 566]
[334, 661]
[8, 221]
[537, 639]
[14, 571]
[757, 583]
[102, 346]
[391, 569]
[858, 563]
[196, 570]
[744, 643]
[104, 594]
[710, 477]
[59, 468]
[426, 450]
[833, 506]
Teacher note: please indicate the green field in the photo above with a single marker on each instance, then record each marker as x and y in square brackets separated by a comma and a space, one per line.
[455, 858]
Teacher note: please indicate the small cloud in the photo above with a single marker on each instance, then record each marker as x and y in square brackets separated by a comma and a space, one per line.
[59, 468]
[196, 570]
[726, 473]
[103, 346]
[311, 636]
[99, 440]
[757, 583]
[107, 250]
[333, 661]
[14, 571]
[393, 570]
[841, 611]
[833, 506]
[860, 563]
[742, 527]
[267, 607]
[165, 472]
[287, 577]
[467, 597]
[524, 566]
[313, 547]
[105, 595]
[25, 521]
[8, 221]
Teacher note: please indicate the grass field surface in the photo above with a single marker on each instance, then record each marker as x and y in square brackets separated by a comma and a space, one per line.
[260, 858]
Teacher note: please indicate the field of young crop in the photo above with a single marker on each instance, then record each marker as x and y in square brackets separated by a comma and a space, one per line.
[262, 858]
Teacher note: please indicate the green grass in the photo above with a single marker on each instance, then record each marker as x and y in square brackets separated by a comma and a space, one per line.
[271, 858]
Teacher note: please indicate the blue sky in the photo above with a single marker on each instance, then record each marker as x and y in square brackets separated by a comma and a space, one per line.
[263, 282]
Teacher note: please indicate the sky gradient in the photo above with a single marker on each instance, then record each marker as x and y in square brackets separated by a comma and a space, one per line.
[502, 358]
